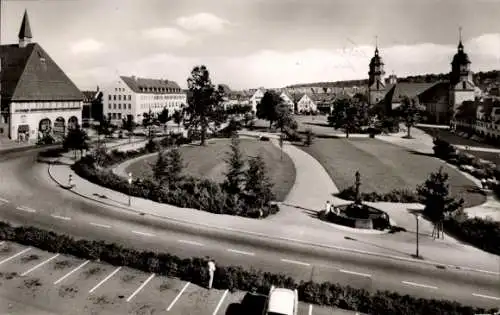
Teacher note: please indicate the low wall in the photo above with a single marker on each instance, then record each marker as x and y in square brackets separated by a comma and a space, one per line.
[363, 224]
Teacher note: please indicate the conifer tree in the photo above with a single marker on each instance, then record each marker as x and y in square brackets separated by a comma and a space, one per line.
[235, 164]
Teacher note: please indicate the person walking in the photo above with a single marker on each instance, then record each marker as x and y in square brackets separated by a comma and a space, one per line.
[211, 272]
[328, 207]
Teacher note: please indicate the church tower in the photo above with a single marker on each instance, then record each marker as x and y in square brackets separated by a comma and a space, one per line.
[25, 31]
[376, 81]
[461, 82]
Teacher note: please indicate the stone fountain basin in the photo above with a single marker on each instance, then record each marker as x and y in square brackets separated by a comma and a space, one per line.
[360, 216]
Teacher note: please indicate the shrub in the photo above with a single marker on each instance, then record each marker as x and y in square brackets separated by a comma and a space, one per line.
[443, 149]
[292, 134]
[309, 137]
[484, 234]
[233, 277]
[397, 195]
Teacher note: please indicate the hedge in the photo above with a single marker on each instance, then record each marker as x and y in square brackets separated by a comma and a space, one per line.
[233, 277]
[396, 195]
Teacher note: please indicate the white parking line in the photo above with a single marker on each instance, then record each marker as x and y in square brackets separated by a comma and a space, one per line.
[105, 279]
[419, 285]
[143, 233]
[220, 302]
[177, 297]
[60, 217]
[71, 272]
[355, 273]
[101, 225]
[295, 262]
[240, 252]
[15, 255]
[140, 288]
[25, 209]
[39, 265]
[4, 200]
[486, 296]
[310, 309]
[191, 242]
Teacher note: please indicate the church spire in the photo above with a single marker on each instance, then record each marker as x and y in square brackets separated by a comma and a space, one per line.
[460, 45]
[376, 45]
[25, 35]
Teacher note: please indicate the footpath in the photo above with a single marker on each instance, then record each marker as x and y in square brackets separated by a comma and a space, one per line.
[297, 220]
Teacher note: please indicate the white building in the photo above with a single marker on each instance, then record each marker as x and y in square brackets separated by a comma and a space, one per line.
[256, 98]
[288, 100]
[136, 96]
[37, 96]
[306, 104]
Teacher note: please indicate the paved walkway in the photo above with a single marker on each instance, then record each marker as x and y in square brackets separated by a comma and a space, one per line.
[296, 218]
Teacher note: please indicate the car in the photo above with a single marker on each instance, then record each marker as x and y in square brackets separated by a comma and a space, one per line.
[281, 301]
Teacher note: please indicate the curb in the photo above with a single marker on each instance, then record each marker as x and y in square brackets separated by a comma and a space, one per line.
[340, 248]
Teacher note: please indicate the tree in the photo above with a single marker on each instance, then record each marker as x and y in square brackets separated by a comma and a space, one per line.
[164, 117]
[435, 194]
[76, 139]
[148, 120]
[258, 187]
[175, 165]
[347, 115]
[235, 164]
[160, 168]
[177, 116]
[204, 102]
[283, 116]
[129, 125]
[309, 137]
[105, 128]
[248, 118]
[266, 108]
[410, 113]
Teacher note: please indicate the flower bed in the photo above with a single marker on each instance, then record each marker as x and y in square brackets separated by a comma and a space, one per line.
[233, 277]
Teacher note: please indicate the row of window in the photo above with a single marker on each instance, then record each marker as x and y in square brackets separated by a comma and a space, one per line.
[158, 89]
[119, 97]
[46, 105]
[159, 105]
[120, 106]
[162, 97]
[115, 115]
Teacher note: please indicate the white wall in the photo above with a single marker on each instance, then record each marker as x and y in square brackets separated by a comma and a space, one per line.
[120, 106]
[32, 113]
[306, 104]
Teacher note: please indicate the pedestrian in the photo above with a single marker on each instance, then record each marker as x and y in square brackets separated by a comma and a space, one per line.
[211, 272]
[328, 207]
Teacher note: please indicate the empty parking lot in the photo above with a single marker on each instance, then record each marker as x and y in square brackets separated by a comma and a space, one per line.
[58, 284]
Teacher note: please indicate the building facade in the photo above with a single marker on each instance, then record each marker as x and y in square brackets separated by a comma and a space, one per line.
[136, 96]
[37, 96]
[256, 98]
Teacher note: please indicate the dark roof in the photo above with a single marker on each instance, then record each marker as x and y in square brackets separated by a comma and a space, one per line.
[151, 86]
[89, 96]
[226, 88]
[461, 57]
[397, 91]
[25, 30]
[29, 74]
[436, 92]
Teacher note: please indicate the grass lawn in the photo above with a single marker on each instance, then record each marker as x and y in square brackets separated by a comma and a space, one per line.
[452, 138]
[384, 167]
[209, 162]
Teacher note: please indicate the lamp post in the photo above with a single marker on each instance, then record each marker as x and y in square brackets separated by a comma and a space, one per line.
[417, 218]
[129, 187]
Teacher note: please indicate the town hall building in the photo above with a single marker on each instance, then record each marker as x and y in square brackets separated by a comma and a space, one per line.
[441, 99]
[37, 97]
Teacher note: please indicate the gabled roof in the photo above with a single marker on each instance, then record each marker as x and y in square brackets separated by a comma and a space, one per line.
[151, 86]
[25, 30]
[288, 95]
[89, 96]
[399, 90]
[226, 88]
[29, 74]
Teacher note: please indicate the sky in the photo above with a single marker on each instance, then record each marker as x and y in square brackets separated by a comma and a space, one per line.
[255, 43]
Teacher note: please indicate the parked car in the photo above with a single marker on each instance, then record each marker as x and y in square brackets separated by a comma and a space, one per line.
[281, 301]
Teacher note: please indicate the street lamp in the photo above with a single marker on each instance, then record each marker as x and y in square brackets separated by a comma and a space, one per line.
[417, 218]
[129, 187]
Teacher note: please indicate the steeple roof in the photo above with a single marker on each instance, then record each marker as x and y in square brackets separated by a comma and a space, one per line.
[25, 31]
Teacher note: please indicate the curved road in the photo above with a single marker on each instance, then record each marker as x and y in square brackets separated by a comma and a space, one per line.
[32, 201]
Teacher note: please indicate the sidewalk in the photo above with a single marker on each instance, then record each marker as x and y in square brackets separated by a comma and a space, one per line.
[294, 222]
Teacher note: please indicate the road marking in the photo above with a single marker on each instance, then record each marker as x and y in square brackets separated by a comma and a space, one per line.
[191, 242]
[15, 255]
[142, 233]
[25, 209]
[177, 297]
[220, 302]
[310, 309]
[4, 200]
[39, 265]
[355, 273]
[61, 217]
[295, 262]
[100, 225]
[486, 296]
[419, 285]
[140, 288]
[105, 279]
[240, 252]
[72, 272]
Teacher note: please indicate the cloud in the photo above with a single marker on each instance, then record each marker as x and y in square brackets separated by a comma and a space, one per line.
[169, 35]
[88, 45]
[202, 22]
[272, 68]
